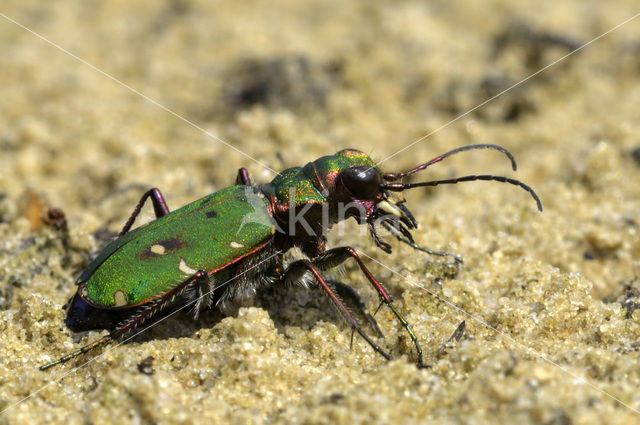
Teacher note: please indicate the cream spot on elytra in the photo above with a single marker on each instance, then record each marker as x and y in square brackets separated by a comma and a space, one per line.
[236, 245]
[120, 298]
[184, 268]
[157, 249]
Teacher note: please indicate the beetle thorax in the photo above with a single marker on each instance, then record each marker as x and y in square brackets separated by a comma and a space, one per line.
[308, 200]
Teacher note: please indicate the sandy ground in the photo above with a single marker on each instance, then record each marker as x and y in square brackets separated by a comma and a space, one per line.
[550, 300]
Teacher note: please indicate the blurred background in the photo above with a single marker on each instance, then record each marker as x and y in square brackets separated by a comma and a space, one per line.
[285, 82]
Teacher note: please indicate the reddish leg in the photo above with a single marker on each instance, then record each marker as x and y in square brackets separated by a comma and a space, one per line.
[336, 256]
[157, 304]
[301, 267]
[159, 207]
[243, 177]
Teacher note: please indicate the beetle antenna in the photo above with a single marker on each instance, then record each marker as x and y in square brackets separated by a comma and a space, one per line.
[396, 176]
[97, 343]
[399, 187]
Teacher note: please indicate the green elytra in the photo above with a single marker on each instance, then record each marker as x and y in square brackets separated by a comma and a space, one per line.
[206, 234]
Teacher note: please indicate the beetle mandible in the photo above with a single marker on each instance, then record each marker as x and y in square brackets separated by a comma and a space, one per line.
[233, 241]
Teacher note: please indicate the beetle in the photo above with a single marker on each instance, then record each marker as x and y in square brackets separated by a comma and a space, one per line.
[232, 242]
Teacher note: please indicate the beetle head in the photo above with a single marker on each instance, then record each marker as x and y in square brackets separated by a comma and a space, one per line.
[374, 195]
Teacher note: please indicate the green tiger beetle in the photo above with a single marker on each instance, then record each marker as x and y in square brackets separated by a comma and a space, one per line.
[233, 241]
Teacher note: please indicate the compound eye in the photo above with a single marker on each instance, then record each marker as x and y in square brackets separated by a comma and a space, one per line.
[363, 182]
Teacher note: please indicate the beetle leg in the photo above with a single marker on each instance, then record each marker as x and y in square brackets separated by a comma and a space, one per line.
[159, 207]
[299, 266]
[336, 256]
[243, 177]
[346, 291]
[158, 304]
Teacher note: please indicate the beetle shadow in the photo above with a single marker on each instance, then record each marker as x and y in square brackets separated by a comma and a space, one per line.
[295, 305]
[287, 305]
[177, 322]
